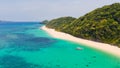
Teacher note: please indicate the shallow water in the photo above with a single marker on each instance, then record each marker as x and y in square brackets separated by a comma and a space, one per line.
[25, 45]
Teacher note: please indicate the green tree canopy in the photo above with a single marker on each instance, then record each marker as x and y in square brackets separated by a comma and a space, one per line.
[101, 24]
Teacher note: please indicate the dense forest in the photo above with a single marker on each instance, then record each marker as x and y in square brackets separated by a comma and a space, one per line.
[101, 25]
[59, 24]
[44, 22]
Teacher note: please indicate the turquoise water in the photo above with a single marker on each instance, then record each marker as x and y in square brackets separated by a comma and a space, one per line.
[25, 45]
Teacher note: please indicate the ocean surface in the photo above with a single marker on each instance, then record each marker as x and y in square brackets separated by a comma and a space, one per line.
[25, 45]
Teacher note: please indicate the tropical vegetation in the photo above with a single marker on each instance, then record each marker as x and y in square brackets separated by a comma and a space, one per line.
[101, 25]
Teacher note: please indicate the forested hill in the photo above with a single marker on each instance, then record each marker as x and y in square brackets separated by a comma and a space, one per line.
[60, 23]
[101, 24]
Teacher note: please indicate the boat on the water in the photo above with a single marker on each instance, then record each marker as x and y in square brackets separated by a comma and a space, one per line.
[79, 48]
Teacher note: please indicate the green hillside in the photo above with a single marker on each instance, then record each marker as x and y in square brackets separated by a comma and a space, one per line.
[60, 23]
[102, 25]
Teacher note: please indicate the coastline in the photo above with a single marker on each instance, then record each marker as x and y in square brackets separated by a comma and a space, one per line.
[101, 46]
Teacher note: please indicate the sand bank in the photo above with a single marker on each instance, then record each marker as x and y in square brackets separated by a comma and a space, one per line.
[101, 46]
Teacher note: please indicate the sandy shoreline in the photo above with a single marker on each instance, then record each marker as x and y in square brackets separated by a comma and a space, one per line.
[101, 46]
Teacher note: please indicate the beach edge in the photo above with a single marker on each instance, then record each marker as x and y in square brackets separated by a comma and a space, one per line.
[114, 50]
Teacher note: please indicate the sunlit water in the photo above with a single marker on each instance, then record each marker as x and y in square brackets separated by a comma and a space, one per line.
[25, 45]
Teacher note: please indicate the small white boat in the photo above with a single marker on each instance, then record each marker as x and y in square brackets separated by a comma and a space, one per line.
[79, 48]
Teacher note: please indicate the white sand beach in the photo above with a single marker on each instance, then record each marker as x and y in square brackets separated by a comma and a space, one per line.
[101, 46]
